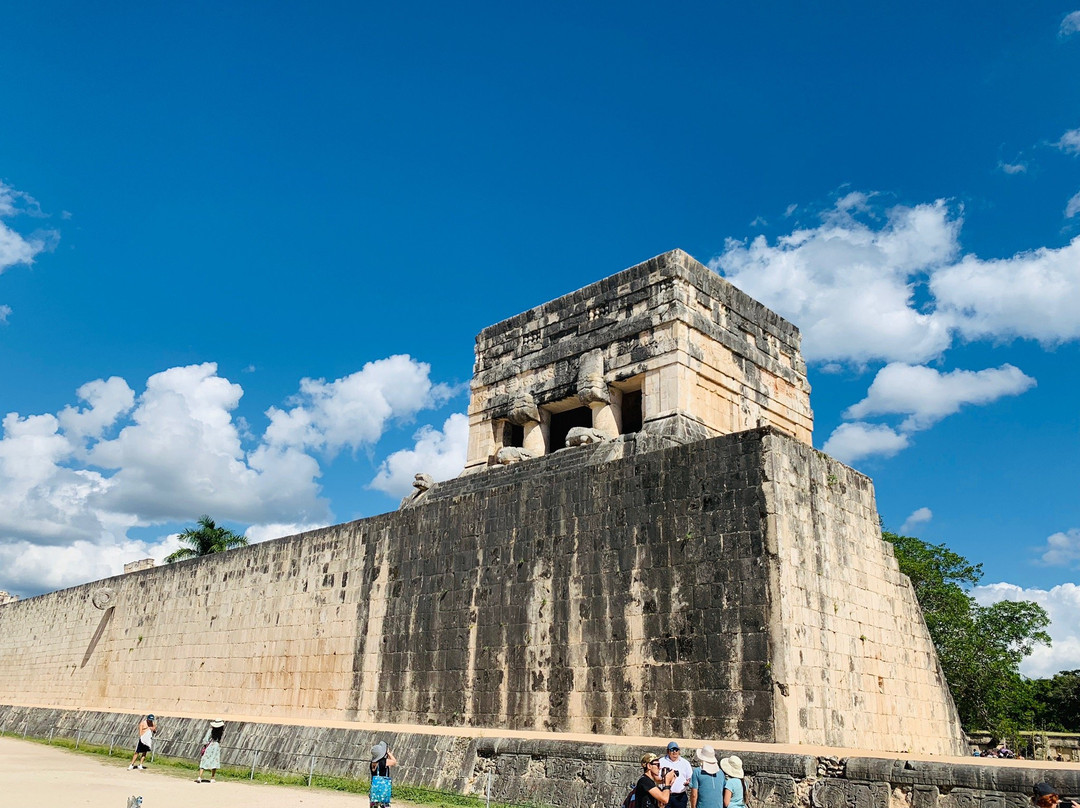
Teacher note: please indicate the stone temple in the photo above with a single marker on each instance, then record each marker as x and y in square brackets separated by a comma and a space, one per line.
[644, 542]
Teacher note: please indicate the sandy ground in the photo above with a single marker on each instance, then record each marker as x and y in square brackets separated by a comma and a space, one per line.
[33, 774]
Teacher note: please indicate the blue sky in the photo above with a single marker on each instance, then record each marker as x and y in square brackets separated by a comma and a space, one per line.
[244, 250]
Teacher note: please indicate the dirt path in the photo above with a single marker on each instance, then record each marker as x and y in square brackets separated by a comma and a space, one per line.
[32, 774]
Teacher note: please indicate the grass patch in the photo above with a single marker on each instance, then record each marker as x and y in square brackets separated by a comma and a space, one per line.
[188, 768]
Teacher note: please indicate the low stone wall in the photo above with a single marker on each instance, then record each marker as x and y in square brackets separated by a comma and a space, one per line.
[558, 771]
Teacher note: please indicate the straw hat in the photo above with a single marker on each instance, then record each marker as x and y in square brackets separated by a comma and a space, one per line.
[216, 723]
[732, 766]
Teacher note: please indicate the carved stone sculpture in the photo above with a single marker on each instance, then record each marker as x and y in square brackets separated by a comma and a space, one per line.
[422, 483]
[512, 454]
[103, 598]
[522, 408]
[584, 435]
[591, 386]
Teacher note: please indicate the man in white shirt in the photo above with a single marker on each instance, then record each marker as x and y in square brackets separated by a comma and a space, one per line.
[675, 762]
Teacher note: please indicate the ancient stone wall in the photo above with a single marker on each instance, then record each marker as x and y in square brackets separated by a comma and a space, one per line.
[570, 773]
[597, 589]
[853, 658]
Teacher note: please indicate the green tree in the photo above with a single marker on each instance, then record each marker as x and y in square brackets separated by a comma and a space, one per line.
[980, 647]
[1057, 702]
[205, 539]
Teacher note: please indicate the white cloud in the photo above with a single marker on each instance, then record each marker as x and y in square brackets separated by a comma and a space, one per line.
[1062, 549]
[850, 286]
[852, 442]
[920, 516]
[927, 396]
[354, 411]
[1032, 295]
[108, 400]
[182, 455]
[438, 453]
[33, 568]
[1071, 24]
[16, 248]
[1070, 141]
[1013, 168]
[79, 480]
[1072, 207]
[1062, 604]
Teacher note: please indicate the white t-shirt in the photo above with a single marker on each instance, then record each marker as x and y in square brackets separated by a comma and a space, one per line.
[683, 770]
[147, 737]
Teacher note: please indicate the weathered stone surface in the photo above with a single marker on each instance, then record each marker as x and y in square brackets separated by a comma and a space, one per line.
[583, 435]
[512, 454]
[578, 592]
[103, 598]
[705, 359]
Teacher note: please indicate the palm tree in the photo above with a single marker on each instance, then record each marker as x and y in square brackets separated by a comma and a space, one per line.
[205, 539]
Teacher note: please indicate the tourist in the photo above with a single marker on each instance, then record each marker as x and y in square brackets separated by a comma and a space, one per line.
[707, 781]
[683, 771]
[147, 728]
[1044, 796]
[652, 789]
[211, 753]
[382, 759]
[734, 791]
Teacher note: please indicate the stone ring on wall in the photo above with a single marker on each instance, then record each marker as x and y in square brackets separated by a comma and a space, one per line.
[103, 598]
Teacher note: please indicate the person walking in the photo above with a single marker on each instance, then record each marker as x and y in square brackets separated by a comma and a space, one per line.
[707, 781]
[147, 728]
[734, 790]
[382, 760]
[211, 753]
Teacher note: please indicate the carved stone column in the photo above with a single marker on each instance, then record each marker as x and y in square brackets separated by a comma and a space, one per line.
[524, 413]
[592, 391]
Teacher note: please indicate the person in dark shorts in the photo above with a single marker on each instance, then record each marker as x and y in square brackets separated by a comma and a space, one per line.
[147, 728]
[652, 790]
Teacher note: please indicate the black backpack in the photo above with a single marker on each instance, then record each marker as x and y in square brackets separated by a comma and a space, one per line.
[631, 798]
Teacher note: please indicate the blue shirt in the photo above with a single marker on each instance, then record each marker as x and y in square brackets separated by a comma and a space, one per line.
[734, 785]
[710, 788]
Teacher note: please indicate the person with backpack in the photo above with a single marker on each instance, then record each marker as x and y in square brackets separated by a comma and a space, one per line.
[652, 789]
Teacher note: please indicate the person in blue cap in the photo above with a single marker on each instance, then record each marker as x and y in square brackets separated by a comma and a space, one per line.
[147, 728]
[674, 761]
